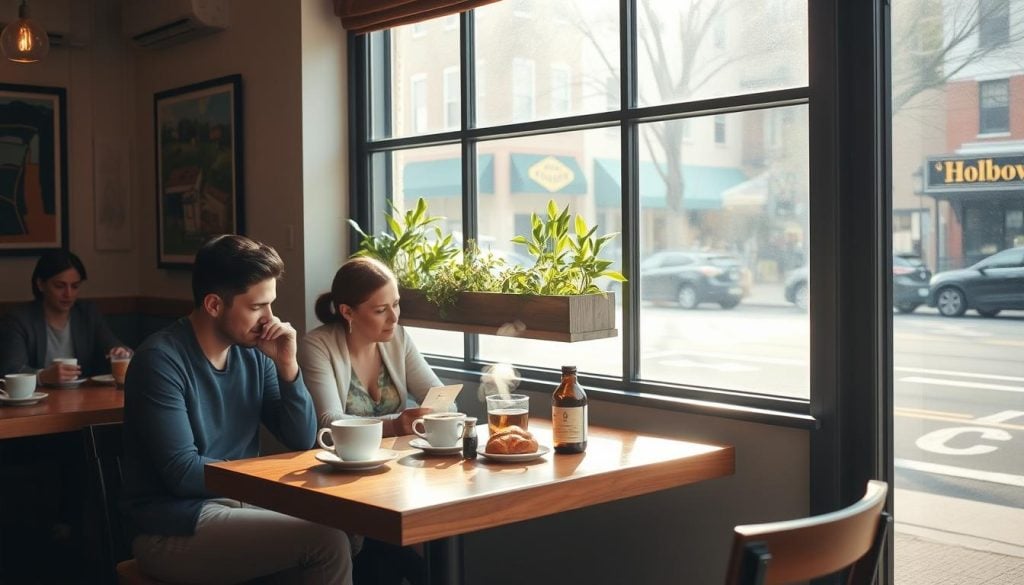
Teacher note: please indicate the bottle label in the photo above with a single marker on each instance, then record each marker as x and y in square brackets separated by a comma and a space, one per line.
[569, 425]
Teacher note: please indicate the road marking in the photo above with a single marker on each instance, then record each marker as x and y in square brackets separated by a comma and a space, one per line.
[962, 472]
[720, 366]
[1001, 417]
[959, 374]
[959, 384]
[959, 419]
[736, 357]
[930, 413]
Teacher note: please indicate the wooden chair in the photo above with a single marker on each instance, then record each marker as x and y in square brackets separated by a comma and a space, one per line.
[792, 551]
[104, 449]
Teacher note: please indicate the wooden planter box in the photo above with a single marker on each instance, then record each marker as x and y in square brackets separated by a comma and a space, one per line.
[562, 318]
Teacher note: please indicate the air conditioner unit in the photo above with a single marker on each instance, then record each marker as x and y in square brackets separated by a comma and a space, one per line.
[162, 23]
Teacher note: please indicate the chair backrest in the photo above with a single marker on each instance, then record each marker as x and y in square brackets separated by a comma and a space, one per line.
[104, 449]
[792, 551]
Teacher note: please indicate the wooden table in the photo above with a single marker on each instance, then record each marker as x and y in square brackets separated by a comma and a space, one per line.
[63, 410]
[415, 498]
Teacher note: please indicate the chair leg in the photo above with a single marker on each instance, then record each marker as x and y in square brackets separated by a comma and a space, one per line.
[864, 571]
[754, 566]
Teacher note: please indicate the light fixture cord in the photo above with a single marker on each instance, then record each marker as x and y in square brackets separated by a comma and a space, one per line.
[23, 10]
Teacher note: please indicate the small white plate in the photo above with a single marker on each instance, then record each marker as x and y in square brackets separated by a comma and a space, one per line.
[382, 457]
[68, 384]
[541, 451]
[27, 401]
[103, 379]
[427, 448]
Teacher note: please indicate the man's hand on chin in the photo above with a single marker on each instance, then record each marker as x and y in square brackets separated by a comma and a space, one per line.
[278, 342]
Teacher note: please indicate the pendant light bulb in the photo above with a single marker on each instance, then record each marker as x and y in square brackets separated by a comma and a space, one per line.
[24, 41]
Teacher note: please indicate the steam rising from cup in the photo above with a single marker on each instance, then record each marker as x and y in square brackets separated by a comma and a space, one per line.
[499, 379]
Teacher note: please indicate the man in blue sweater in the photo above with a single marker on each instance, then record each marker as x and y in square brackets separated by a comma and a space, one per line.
[196, 392]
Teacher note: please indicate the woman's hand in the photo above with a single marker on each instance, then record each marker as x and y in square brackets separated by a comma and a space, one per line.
[119, 352]
[60, 373]
[403, 424]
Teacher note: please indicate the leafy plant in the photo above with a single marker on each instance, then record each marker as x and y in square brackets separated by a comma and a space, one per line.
[422, 257]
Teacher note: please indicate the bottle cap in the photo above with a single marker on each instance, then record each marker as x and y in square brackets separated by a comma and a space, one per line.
[470, 421]
[568, 370]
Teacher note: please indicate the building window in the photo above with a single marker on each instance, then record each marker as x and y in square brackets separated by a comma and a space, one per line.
[561, 90]
[522, 90]
[994, 106]
[418, 91]
[719, 129]
[451, 22]
[451, 98]
[419, 29]
[993, 23]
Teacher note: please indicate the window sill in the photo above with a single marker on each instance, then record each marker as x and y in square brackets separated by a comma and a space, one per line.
[985, 135]
[658, 401]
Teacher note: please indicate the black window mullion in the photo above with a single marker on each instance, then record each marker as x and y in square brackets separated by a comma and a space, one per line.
[358, 114]
[630, 195]
[467, 89]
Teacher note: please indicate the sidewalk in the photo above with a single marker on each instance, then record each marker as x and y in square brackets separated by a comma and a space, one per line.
[768, 295]
[941, 540]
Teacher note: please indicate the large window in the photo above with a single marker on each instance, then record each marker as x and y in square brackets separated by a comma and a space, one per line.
[700, 161]
[993, 23]
[994, 106]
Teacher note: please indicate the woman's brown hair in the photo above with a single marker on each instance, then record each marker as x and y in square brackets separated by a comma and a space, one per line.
[354, 282]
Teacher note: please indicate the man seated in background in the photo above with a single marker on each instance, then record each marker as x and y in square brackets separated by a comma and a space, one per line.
[196, 392]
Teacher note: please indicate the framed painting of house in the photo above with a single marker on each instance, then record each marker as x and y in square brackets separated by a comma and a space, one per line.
[33, 169]
[199, 187]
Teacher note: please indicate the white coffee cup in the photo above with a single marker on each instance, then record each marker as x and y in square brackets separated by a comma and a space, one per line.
[355, 439]
[440, 429]
[18, 386]
[66, 361]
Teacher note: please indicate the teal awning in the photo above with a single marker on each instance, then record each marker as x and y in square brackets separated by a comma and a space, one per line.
[546, 174]
[702, 186]
[443, 177]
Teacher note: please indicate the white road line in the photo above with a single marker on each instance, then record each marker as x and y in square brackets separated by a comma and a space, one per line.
[963, 472]
[959, 374]
[735, 357]
[959, 384]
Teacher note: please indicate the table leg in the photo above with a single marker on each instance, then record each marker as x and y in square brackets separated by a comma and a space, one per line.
[444, 561]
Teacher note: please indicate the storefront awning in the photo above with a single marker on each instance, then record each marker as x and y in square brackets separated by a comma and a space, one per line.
[702, 186]
[443, 177]
[546, 174]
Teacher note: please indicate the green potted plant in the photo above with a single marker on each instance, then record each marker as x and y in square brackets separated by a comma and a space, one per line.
[472, 290]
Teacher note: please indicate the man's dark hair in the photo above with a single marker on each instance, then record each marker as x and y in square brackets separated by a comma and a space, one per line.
[227, 265]
[52, 263]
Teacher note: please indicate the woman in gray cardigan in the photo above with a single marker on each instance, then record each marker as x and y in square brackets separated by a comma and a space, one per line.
[361, 362]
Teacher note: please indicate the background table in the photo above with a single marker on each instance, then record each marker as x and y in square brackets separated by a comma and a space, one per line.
[63, 410]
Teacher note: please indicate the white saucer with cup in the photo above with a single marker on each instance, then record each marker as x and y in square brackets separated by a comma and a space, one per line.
[440, 429]
[18, 386]
[354, 439]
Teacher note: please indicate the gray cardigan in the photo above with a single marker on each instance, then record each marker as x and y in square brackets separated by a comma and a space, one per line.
[327, 369]
[23, 338]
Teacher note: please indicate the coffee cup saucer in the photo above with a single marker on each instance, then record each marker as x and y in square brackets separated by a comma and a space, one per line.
[380, 458]
[423, 445]
[26, 401]
[69, 384]
[541, 451]
[103, 379]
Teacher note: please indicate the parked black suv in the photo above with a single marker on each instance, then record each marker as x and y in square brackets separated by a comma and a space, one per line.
[994, 284]
[692, 278]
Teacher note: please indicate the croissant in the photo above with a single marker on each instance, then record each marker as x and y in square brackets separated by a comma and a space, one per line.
[511, 440]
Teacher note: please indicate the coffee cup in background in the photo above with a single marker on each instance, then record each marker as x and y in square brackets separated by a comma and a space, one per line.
[441, 429]
[66, 361]
[353, 439]
[118, 369]
[18, 386]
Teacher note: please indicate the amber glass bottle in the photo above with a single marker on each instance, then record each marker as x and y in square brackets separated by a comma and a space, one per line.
[569, 414]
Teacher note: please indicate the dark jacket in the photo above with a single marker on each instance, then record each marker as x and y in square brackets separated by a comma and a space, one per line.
[23, 339]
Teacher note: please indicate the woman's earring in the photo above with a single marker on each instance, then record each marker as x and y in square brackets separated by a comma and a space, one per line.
[349, 321]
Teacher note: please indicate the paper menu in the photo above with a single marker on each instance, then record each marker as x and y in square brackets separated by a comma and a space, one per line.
[441, 398]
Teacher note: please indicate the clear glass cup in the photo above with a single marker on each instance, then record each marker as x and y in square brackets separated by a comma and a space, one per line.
[507, 410]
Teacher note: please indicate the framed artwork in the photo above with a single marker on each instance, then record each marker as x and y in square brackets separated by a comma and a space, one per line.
[199, 187]
[33, 169]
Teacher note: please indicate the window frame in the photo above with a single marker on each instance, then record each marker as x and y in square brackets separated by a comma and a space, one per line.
[451, 97]
[419, 80]
[1003, 110]
[993, 23]
[531, 74]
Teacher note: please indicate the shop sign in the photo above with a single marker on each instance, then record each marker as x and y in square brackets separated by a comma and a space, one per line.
[551, 173]
[975, 171]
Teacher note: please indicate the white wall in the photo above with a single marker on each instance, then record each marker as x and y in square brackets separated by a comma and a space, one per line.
[98, 81]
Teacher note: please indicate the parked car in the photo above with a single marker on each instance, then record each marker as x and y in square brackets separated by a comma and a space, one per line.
[990, 286]
[909, 284]
[692, 278]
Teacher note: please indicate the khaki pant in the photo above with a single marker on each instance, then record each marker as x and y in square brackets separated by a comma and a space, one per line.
[236, 542]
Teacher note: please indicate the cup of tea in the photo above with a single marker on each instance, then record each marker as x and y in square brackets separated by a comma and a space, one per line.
[441, 429]
[18, 386]
[507, 410]
[353, 439]
[118, 369]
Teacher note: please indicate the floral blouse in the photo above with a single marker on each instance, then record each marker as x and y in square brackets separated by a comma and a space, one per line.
[359, 402]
